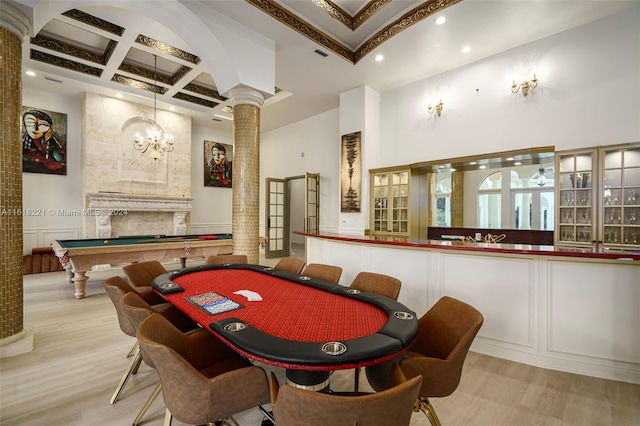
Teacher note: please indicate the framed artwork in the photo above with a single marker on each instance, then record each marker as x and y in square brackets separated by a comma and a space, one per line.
[218, 159]
[350, 173]
[44, 141]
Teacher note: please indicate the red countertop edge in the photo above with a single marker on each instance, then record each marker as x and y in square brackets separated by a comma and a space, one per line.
[579, 252]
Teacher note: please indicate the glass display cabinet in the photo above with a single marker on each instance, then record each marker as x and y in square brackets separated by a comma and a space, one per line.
[599, 197]
[395, 201]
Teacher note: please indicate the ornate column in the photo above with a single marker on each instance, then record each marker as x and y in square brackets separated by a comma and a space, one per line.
[457, 193]
[246, 171]
[14, 339]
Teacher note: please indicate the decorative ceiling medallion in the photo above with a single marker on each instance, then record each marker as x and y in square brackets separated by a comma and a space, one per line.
[417, 14]
[71, 50]
[169, 50]
[405, 21]
[351, 22]
[201, 90]
[307, 30]
[57, 61]
[149, 73]
[138, 84]
[195, 100]
[94, 21]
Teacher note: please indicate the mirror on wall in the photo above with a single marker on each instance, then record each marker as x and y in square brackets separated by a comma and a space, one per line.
[510, 190]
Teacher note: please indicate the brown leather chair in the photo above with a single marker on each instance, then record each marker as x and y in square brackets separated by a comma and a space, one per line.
[381, 284]
[220, 259]
[141, 274]
[203, 380]
[116, 288]
[291, 264]
[444, 338]
[320, 271]
[137, 310]
[390, 407]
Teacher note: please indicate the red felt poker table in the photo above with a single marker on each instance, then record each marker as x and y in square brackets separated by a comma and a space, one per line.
[306, 325]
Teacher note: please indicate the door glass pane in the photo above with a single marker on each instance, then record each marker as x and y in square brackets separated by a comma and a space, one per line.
[547, 207]
[489, 210]
[522, 213]
[443, 211]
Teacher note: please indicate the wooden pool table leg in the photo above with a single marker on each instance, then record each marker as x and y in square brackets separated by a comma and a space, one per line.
[80, 281]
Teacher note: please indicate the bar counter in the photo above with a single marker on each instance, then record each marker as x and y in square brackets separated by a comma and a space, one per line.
[543, 250]
[568, 309]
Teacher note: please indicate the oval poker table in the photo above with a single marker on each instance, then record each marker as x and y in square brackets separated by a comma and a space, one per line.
[306, 325]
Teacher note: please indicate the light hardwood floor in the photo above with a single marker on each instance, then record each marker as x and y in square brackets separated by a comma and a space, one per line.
[79, 357]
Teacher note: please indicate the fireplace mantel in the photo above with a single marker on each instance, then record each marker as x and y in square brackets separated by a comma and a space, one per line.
[109, 204]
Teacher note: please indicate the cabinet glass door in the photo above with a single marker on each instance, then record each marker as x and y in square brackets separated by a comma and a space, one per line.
[621, 197]
[400, 196]
[380, 202]
[576, 199]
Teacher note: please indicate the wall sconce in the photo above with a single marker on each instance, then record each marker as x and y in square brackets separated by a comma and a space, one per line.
[525, 86]
[437, 109]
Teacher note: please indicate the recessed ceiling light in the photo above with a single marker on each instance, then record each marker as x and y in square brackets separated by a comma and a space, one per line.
[172, 108]
[518, 163]
[440, 20]
[379, 58]
[473, 163]
[510, 158]
[482, 167]
[31, 73]
[466, 49]
[119, 95]
[453, 170]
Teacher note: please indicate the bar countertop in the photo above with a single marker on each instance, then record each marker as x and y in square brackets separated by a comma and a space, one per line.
[540, 250]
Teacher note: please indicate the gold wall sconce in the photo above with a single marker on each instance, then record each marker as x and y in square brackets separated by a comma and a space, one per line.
[525, 86]
[437, 109]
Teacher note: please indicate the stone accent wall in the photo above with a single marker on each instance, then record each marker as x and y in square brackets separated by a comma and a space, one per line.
[112, 165]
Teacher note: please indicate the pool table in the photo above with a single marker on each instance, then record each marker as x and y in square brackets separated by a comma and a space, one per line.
[79, 256]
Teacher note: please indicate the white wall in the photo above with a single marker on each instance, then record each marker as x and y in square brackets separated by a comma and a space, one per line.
[313, 146]
[211, 206]
[45, 195]
[588, 95]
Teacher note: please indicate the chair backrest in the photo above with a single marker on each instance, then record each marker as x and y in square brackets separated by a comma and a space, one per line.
[291, 264]
[381, 284]
[137, 310]
[199, 383]
[219, 259]
[391, 407]
[116, 287]
[142, 273]
[445, 335]
[320, 271]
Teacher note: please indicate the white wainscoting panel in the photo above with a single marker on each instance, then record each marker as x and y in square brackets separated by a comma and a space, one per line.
[502, 288]
[594, 310]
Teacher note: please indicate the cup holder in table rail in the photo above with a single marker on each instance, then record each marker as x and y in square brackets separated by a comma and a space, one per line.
[403, 315]
[334, 348]
[235, 326]
[304, 278]
[353, 291]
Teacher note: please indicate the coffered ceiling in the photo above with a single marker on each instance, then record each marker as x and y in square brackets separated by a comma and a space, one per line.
[323, 48]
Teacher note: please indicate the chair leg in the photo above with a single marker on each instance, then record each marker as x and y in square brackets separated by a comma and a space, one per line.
[167, 417]
[133, 350]
[423, 404]
[356, 380]
[133, 366]
[145, 407]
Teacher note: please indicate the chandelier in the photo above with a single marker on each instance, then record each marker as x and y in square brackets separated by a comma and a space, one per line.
[155, 140]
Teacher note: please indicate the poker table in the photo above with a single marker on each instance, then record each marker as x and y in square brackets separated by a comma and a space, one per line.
[79, 256]
[308, 326]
